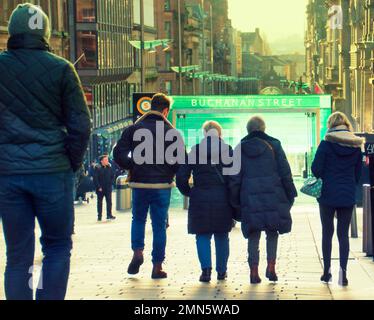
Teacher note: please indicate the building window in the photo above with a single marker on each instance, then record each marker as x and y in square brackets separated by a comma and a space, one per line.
[168, 87]
[86, 10]
[168, 30]
[167, 5]
[6, 11]
[87, 49]
[167, 61]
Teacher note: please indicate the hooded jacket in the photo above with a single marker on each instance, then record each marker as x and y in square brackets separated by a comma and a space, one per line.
[338, 162]
[154, 174]
[45, 124]
[209, 210]
[263, 191]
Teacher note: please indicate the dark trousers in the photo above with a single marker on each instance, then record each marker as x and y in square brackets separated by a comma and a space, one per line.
[107, 194]
[254, 244]
[49, 199]
[344, 217]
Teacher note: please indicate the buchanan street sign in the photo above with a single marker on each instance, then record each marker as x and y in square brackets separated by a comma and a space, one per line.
[255, 102]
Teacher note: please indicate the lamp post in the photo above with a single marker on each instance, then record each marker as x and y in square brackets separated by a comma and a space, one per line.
[204, 44]
[211, 44]
[180, 46]
[142, 65]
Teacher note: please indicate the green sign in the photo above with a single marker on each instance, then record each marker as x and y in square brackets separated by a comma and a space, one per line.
[255, 102]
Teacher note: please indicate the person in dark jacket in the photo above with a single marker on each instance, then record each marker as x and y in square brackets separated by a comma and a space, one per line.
[103, 181]
[151, 150]
[210, 213]
[264, 193]
[338, 162]
[44, 132]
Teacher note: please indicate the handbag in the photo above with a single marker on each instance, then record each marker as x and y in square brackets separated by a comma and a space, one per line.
[312, 187]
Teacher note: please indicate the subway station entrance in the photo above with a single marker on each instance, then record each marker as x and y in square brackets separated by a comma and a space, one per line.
[299, 122]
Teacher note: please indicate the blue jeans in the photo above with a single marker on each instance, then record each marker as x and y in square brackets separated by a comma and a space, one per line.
[49, 199]
[205, 253]
[158, 201]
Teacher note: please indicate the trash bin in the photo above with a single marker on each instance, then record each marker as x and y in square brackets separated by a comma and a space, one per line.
[369, 194]
[365, 174]
[124, 196]
[367, 223]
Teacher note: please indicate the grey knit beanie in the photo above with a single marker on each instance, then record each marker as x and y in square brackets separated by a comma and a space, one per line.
[28, 18]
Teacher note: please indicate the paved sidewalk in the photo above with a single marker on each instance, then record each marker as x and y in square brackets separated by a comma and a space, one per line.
[102, 252]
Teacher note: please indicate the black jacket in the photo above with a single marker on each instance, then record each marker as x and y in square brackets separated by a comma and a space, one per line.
[340, 168]
[44, 120]
[103, 178]
[210, 210]
[150, 175]
[264, 190]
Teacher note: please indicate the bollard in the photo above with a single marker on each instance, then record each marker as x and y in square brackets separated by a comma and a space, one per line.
[124, 195]
[367, 221]
[354, 231]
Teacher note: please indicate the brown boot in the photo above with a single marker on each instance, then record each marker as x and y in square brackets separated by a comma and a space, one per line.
[270, 271]
[136, 262]
[157, 272]
[255, 278]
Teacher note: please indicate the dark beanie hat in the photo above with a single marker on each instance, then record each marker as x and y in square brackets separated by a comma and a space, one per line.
[28, 18]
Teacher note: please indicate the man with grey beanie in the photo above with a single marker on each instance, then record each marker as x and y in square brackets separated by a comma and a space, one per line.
[44, 132]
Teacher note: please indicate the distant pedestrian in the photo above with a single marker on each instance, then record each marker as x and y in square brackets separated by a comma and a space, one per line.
[91, 169]
[338, 162]
[151, 182]
[103, 181]
[44, 134]
[264, 192]
[210, 213]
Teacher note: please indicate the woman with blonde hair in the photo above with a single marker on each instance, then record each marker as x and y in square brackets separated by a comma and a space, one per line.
[210, 213]
[338, 163]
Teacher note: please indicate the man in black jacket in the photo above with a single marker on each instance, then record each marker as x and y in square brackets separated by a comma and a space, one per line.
[103, 181]
[44, 132]
[144, 150]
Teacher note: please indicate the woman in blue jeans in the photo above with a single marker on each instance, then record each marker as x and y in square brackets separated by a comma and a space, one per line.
[210, 214]
[338, 163]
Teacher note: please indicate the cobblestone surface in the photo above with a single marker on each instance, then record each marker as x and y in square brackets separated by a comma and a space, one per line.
[102, 252]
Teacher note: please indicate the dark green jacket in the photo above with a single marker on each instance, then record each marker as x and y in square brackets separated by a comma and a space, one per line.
[44, 120]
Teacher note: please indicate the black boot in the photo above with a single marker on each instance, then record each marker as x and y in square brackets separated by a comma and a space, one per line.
[206, 275]
[136, 262]
[344, 280]
[326, 277]
[221, 276]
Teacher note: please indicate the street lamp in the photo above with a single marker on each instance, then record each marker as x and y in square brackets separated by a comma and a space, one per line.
[180, 46]
[142, 65]
[150, 46]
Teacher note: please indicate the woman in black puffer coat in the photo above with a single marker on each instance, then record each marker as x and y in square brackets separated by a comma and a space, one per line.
[210, 213]
[264, 193]
[338, 163]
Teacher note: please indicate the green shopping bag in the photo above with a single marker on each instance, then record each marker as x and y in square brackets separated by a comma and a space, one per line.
[312, 187]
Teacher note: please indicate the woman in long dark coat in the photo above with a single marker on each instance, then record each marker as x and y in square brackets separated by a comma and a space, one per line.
[264, 193]
[210, 213]
[338, 163]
